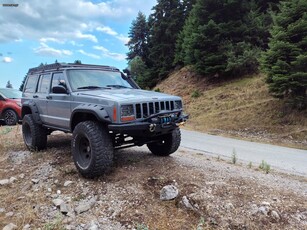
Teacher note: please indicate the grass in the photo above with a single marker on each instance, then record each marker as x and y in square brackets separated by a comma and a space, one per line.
[264, 166]
[195, 94]
[234, 158]
[10, 139]
[141, 227]
[55, 224]
[235, 107]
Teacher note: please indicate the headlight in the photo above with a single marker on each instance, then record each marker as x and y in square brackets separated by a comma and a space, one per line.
[127, 113]
[178, 104]
[19, 104]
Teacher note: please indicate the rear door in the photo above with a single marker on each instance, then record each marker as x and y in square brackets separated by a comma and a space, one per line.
[42, 96]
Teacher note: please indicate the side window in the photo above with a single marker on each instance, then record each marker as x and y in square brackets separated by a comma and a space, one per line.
[58, 79]
[44, 84]
[30, 86]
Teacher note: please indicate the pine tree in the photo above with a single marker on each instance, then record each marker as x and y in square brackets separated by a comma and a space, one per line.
[285, 61]
[138, 35]
[139, 72]
[224, 38]
[9, 85]
[22, 83]
[165, 24]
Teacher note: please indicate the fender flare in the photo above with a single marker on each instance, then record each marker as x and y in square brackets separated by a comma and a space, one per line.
[97, 110]
[34, 110]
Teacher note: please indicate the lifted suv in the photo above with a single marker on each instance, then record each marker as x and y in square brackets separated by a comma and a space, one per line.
[103, 108]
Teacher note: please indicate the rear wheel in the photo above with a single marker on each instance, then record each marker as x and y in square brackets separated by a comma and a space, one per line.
[167, 144]
[10, 117]
[92, 149]
[34, 135]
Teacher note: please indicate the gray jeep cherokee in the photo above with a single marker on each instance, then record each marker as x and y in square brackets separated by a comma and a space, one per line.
[104, 110]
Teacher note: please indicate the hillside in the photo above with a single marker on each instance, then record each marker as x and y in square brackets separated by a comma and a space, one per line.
[240, 108]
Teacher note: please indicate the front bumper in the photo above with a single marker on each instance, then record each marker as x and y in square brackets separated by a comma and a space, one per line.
[152, 126]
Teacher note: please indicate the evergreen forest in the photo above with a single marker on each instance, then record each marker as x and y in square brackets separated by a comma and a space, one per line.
[222, 40]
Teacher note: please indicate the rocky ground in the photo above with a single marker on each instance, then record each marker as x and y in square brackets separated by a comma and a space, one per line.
[43, 190]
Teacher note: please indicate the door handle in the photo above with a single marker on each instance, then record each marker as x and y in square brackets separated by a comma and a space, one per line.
[48, 97]
[35, 96]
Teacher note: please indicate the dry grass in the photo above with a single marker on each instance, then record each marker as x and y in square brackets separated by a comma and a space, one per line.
[241, 107]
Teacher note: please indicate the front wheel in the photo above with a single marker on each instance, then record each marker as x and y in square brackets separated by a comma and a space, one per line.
[92, 149]
[10, 117]
[167, 144]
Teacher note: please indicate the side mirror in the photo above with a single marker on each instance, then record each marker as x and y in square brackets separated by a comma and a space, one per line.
[127, 72]
[59, 89]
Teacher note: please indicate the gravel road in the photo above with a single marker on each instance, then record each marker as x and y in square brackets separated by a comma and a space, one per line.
[282, 158]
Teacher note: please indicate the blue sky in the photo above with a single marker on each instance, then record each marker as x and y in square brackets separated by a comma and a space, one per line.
[37, 31]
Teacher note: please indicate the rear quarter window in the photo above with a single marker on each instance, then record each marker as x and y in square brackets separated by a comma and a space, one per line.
[31, 84]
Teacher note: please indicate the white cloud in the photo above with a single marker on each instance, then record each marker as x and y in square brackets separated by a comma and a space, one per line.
[86, 36]
[107, 53]
[64, 20]
[75, 43]
[107, 30]
[7, 59]
[44, 40]
[110, 31]
[89, 54]
[45, 50]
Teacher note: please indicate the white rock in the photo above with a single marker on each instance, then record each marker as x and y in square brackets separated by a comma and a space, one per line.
[254, 209]
[187, 203]
[12, 179]
[4, 182]
[49, 189]
[169, 192]
[92, 226]
[10, 226]
[21, 176]
[2, 210]
[57, 202]
[275, 215]
[35, 181]
[229, 206]
[58, 192]
[264, 203]
[26, 227]
[85, 206]
[264, 210]
[67, 183]
[64, 208]
[9, 214]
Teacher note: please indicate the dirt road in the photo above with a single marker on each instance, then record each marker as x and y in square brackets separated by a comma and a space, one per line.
[282, 158]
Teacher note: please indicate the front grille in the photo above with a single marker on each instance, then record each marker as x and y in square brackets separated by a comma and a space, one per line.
[144, 110]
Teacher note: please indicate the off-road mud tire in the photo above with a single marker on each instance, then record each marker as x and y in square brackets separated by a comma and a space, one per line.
[34, 135]
[167, 144]
[10, 117]
[92, 149]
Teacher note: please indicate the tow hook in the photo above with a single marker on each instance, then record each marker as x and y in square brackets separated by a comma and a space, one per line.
[152, 127]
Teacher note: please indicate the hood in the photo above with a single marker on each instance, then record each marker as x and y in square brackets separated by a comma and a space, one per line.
[128, 94]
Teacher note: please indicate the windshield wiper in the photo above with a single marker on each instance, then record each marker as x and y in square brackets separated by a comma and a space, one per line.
[117, 86]
[92, 87]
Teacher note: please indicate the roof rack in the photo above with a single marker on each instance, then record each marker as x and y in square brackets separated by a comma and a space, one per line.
[56, 66]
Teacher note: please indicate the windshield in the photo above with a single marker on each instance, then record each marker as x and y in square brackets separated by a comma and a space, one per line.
[96, 79]
[11, 93]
